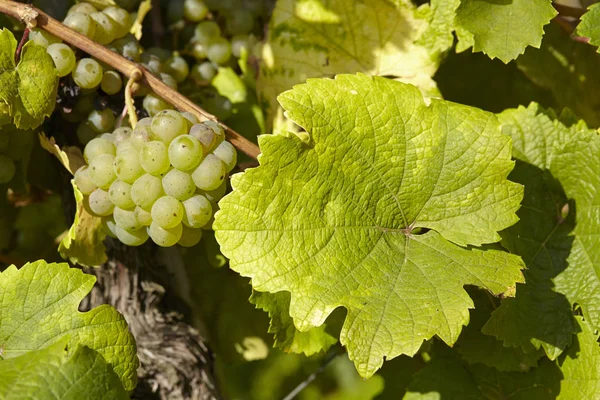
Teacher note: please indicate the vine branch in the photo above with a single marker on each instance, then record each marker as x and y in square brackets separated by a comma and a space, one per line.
[32, 17]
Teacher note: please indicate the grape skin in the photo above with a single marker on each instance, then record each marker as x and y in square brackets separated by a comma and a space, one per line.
[165, 237]
[210, 173]
[63, 57]
[146, 190]
[167, 212]
[87, 73]
[185, 152]
[178, 184]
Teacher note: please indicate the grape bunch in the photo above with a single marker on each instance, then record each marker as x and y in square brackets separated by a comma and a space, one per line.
[7, 165]
[161, 180]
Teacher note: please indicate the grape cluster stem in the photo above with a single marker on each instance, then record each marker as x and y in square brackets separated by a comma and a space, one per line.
[32, 17]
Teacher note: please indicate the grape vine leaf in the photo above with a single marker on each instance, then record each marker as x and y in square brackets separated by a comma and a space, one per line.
[69, 156]
[556, 234]
[316, 38]
[364, 216]
[55, 372]
[287, 337]
[438, 33]
[27, 89]
[39, 307]
[589, 27]
[84, 242]
[504, 29]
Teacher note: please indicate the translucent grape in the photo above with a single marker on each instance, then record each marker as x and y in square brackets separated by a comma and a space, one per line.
[87, 73]
[167, 212]
[122, 135]
[126, 219]
[127, 165]
[240, 42]
[42, 38]
[107, 136]
[84, 8]
[106, 28]
[7, 169]
[205, 135]
[125, 145]
[111, 82]
[194, 10]
[165, 237]
[100, 203]
[63, 57]
[141, 133]
[206, 32]
[198, 50]
[177, 67]
[101, 170]
[219, 51]
[168, 80]
[189, 236]
[132, 238]
[81, 23]
[197, 211]
[152, 62]
[178, 184]
[143, 216]
[96, 147]
[146, 190]
[154, 158]
[85, 133]
[154, 104]
[192, 119]
[185, 152]
[210, 173]
[167, 125]
[121, 19]
[203, 72]
[83, 180]
[110, 226]
[226, 153]
[102, 121]
[129, 47]
[215, 195]
[120, 194]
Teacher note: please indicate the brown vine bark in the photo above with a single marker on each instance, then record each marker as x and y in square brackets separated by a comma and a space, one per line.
[175, 363]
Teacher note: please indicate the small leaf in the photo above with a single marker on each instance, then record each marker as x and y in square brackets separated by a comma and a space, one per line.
[505, 28]
[336, 222]
[589, 27]
[39, 308]
[54, 372]
[70, 156]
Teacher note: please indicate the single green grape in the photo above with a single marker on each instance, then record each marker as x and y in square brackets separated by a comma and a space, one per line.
[146, 190]
[154, 104]
[185, 152]
[219, 51]
[154, 158]
[106, 28]
[141, 133]
[87, 73]
[144, 217]
[167, 212]
[178, 184]
[102, 121]
[83, 8]
[206, 32]
[133, 237]
[210, 173]
[203, 73]
[127, 165]
[96, 147]
[111, 82]
[226, 153]
[167, 125]
[197, 211]
[100, 204]
[122, 135]
[165, 237]
[120, 194]
[195, 10]
[101, 170]
[83, 181]
[63, 57]
[121, 18]
[177, 67]
[42, 38]
[126, 219]
[81, 23]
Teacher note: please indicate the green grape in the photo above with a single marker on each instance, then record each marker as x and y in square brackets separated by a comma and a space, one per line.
[167, 125]
[81, 23]
[87, 73]
[107, 136]
[194, 10]
[168, 80]
[122, 135]
[226, 153]
[7, 169]
[83, 181]
[239, 22]
[111, 82]
[129, 47]
[106, 28]
[165, 237]
[209, 134]
[110, 227]
[198, 50]
[210, 173]
[101, 170]
[120, 194]
[83, 8]
[131, 238]
[146, 190]
[189, 236]
[102, 121]
[63, 57]
[215, 195]
[42, 38]
[219, 51]
[178, 184]
[85, 133]
[100, 204]
[125, 146]
[185, 152]
[177, 67]
[154, 158]
[127, 165]
[126, 219]
[240, 42]
[192, 119]
[152, 62]
[121, 18]
[141, 133]
[167, 212]
[143, 216]
[203, 73]
[96, 147]
[206, 32]
[197, 211]
[154, 104]
[85, 105]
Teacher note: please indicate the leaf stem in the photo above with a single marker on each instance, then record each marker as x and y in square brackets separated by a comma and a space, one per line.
[32, 16]
[21, 44]
[333, 353]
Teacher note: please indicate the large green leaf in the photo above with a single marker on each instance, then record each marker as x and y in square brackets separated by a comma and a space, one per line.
[29, 87]
[364, 216]
[38, 308]
[55, 373]
[504, 28]
[316, 38]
